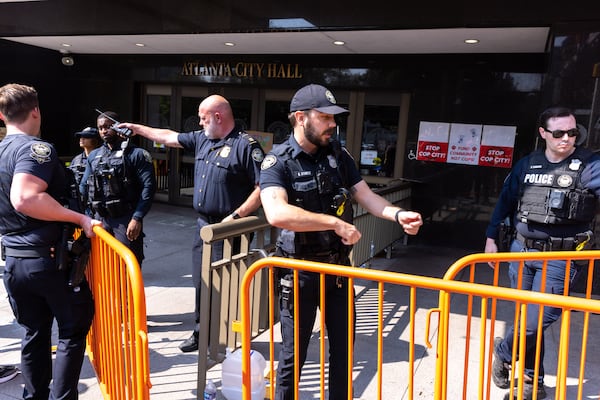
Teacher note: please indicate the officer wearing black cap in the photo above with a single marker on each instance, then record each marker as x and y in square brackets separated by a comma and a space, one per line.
[89, 139]
[225, 179]
[307, 187]
[33, 186]
[551, 195]
[119, 185]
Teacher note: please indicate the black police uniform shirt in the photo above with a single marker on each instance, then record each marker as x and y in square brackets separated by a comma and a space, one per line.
[275, 174]
[138, 162]
[22, 153]
[511, 190]
[226, 171]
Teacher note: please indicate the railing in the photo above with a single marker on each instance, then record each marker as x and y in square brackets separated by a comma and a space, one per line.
[379, 233]
[220, 282]
[471, 267]
[458, 342]
[117, 343]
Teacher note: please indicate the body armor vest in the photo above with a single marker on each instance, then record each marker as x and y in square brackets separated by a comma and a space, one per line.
[78, 166]
[320, 189]
[107, 184]
[553, 194]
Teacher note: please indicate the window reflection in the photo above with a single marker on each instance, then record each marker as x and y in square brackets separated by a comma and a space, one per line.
[242, 112]
[276, 120]
[379, 136]
[158, 116]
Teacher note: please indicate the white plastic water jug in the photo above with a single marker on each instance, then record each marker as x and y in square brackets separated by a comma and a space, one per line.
[231, 375]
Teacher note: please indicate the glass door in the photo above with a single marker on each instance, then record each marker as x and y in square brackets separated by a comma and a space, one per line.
[157, 113]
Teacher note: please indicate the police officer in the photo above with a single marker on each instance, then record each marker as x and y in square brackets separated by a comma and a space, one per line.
[119, 185]
[225, 179]
[89, 139]
[307, 186]
[32, 180]
[551, 194]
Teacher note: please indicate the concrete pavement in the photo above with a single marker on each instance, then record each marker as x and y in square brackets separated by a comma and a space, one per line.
[170, 296]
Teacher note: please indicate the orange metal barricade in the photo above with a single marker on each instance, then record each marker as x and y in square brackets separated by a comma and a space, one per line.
[468, 269]
[117, 343]
[451, 293]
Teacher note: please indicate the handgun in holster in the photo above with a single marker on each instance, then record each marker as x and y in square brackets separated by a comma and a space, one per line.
[61, 251]
[79, 252]
[287, 292]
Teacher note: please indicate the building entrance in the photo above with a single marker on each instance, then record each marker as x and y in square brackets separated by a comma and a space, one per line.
[374, 132]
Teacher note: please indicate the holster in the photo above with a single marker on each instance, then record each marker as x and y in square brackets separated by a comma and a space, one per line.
[62, 247]
[506, 235]
[79, 252]
[287, 292]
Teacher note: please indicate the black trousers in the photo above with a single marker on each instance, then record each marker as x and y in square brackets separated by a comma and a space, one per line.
[336, 321]
[118, 228]
[38, 293]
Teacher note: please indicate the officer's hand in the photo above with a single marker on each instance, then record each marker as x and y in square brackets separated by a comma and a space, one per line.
[130, 126]
[88, 225]
[491, 247]
[134, 229]
[348, 232]
[410, 221]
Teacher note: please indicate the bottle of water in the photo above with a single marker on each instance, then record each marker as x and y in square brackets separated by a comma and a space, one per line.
[210, 390]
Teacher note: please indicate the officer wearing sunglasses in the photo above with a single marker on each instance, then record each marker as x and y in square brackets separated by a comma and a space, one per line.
[551, 195]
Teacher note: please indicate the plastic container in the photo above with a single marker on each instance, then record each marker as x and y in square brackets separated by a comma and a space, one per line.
[231, 375]
[210, 390]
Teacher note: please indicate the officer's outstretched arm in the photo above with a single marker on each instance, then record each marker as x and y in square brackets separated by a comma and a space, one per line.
[163, 136]
[410, 221]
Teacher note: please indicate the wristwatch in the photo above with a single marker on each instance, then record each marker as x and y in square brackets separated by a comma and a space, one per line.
[235, 215]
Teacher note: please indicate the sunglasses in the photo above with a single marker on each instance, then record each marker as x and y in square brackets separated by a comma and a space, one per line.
[560, 133]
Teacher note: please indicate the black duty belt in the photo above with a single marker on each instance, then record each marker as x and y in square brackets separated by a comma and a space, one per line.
[550, 244]
[27, 251]
[331, 257]
[211, 219]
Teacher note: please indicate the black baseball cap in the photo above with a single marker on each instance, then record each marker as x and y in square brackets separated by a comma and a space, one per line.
[315, 97]
[88, 132]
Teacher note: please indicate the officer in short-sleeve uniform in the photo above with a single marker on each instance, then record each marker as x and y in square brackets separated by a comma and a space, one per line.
[307, 188]
[226, 172]
[313, 182]
[119, 184]
[37, 290]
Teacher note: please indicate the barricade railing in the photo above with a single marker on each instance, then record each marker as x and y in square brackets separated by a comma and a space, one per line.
[449, 290]
[245, 240]
[569, 360]
[117, 343]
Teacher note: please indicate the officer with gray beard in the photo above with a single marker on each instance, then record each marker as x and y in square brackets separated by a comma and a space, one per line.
[552, 196]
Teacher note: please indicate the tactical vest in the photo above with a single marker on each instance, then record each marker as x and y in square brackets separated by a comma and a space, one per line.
[321, 189]
[553, 194]
[108, 183]
[78, 166]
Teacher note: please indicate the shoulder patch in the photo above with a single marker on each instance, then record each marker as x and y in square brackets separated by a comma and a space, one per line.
[40, 152]
[147, 155]
[248, 137]
[257, 154]
[268, 162]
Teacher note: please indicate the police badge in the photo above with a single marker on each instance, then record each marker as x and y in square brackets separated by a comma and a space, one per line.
[40, 152]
